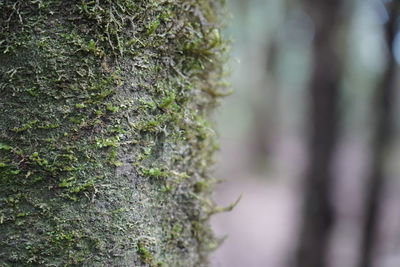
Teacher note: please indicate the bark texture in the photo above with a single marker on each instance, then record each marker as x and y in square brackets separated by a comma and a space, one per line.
[318, 213]
[104, 132]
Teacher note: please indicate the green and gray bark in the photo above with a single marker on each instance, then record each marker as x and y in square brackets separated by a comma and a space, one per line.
[104, 132]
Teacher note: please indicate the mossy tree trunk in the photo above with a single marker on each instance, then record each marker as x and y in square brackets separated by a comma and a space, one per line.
[104, 131]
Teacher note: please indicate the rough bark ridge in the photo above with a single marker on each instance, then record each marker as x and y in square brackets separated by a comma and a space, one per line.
[104, 135]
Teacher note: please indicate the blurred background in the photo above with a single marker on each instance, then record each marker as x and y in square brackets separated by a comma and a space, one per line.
[310, 135]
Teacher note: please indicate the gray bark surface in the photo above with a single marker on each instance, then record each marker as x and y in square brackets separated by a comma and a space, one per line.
[105, 140]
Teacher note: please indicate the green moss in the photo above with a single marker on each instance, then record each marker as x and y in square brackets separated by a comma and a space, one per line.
[25, 127]
[154, 172]
[153, 26]
[110, 107]
[104, 131]
[167, 100]
[5, 147]
[145, 255]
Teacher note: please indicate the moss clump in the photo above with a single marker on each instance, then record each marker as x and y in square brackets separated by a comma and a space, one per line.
[104, 131]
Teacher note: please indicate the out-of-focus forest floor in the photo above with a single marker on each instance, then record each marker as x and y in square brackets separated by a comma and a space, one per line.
[261, 227]
[262, 230]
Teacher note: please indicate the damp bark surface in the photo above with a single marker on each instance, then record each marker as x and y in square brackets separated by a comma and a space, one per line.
[105, 139]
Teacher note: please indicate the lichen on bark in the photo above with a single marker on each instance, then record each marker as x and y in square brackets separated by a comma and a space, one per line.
[105, 138]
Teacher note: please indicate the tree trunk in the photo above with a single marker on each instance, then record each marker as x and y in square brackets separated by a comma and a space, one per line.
[318, 214]
[383, 104]
[104, 132]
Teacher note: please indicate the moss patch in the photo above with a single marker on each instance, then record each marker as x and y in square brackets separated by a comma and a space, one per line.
[105, 139]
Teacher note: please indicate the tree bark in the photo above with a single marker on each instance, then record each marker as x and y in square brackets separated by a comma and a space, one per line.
[383, 105]
[318, 214]
[104, 132]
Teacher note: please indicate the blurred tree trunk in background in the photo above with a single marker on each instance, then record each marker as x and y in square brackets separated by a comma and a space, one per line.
[318, 214]
[383, 105]
[104, 133]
